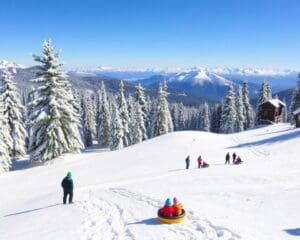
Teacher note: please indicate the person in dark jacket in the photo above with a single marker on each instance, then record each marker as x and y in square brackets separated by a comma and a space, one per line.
[67, 185]
[233, 157]
[227, 158]
[187, 162]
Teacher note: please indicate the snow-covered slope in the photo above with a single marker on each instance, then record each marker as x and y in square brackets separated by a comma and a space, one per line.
[118, 193]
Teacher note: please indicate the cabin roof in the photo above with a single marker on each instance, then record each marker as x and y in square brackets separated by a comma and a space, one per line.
[275, 102]
[297, 111]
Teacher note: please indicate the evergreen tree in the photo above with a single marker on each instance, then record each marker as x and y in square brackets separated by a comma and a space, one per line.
[216, 118]
[163, 122]
[181, 117]
[205, 118]
[295, 104]
[88, 120]
[248, 111]
[228, 119]
[269, 90]
[240, 119]
[138, 122]
[103, 118]
[5, 142]
[168, 113]
[141, 100]
[123, 111]
[116, 130]
[13, 114]
[53, 119]
[263, 97]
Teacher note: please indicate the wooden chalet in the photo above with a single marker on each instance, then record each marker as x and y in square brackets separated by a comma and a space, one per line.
[272, 111]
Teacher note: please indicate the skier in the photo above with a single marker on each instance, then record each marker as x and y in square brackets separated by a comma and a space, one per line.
[187, 162]
[177, 207]
[67, 185]
[168, 209]
[227, 158]
[199, 160]
[233, 157]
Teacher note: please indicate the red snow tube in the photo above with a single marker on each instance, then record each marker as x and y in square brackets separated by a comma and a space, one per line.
[170, 220]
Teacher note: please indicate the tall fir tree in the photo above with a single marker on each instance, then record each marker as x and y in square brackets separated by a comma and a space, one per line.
[168, 113]
[88, 120]
[295, 103]
[116, 130]
[240, 119]
[263, 97]
[269, 90]
[248, 111]
[216, 118]
[53, 119]
[141, 100]
[5, 142]
[123, 112]
[228, 119]
[104, 118]
[12, 109]
[205, 118]
[162, 120]
[181, 117]
[138, 122]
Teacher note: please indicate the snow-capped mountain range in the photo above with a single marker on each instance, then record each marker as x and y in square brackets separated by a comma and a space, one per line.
[207, 83]
[7, 64]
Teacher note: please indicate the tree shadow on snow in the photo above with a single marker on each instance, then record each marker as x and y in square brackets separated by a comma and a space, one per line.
[20, 164]
[293, 231]
[281, 138]
[149, 221]
[31, 210]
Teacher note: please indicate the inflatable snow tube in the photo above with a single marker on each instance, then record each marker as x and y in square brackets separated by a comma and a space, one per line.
[170, 220]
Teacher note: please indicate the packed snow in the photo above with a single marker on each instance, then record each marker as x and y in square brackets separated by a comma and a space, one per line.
[117, 194]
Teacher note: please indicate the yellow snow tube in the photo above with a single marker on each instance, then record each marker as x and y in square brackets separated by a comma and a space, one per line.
[170, 220]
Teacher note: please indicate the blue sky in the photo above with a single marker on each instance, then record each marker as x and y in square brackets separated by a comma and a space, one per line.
[145, 33]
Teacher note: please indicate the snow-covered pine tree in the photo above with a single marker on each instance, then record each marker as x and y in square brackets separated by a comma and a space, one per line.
[116, 130]
[216, 118]
[138, 122]
[140, 98]
[5, 142]
[248, 111]
[263, 97]
[162, 120]
[103, 118]
[240, 119]
[205, 118]
[12, 109]
[174, 114]
[123, 112]
[269, 90]
[53, 120]
[168, 113]
[228, 119]
[295, 103]
[88, 120]
[181, 117]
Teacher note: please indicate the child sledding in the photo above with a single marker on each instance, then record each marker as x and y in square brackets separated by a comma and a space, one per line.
[171, 213]
[201, 163]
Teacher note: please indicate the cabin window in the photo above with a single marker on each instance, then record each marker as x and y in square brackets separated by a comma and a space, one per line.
[299, 117]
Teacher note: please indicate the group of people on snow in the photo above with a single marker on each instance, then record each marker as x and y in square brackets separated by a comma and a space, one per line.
[201, 163]
[171, 209]
[236, 159]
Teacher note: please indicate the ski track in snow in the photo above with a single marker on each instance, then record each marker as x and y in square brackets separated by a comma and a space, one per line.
[257, 151]
[106, 219]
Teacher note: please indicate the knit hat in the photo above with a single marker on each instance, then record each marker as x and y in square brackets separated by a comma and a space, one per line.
[168, 202]
[69, 175]
[175, 200]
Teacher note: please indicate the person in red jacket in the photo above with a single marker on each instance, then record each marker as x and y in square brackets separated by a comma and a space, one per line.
[199, 160]
[238, 160]
[168, 209]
